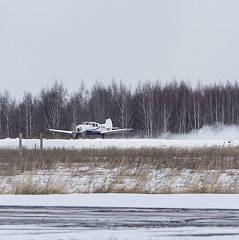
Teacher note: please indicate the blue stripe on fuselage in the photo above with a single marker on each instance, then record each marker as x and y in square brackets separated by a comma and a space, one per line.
[93, 132]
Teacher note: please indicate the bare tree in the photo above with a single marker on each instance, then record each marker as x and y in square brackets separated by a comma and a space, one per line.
[6, 112]
[53, 102]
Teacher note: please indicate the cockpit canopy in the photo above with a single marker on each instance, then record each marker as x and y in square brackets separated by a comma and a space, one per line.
[93, 124]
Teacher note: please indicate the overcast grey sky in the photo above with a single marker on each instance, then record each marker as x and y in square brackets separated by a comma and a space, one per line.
[129, 40]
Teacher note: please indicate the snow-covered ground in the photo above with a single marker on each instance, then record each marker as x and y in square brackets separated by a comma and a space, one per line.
[215, 135]
[146, 234]
[119, 217]
[99, 143]
[44, 217]
[182, 233]
[85, 178]
[196, 201]
[107, 223]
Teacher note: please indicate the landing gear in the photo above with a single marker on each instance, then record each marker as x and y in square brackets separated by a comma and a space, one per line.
[103, 136]
[75, 136]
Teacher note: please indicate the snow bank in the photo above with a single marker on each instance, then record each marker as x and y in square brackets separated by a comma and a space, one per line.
[207, 136]
[206, 201]
[114, 143]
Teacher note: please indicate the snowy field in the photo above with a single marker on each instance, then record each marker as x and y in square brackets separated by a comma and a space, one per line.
[207, 136]
[87, 179]
[119, 217]
[196, 201]
[116, 143]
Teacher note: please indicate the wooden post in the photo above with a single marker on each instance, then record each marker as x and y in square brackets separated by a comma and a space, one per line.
[20, 144]
[41, 150]
[20, 141]
[41, 141]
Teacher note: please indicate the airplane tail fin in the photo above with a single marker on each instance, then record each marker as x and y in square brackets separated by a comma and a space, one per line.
[108, 124]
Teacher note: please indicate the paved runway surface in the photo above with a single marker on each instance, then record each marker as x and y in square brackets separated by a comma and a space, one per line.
[116, 223]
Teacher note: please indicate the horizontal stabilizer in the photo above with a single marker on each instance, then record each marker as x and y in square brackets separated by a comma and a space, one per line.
[117, 130]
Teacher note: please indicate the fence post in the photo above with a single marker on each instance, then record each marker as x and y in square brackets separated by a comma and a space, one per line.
[41, 141]
[20, 141]
[20, 144]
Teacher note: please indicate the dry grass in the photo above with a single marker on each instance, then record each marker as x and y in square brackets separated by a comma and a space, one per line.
[116, 165]
[32, 187]
[156, 158]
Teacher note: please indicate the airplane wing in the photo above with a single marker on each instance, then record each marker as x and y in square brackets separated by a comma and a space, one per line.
[116, 130]
[61, 131]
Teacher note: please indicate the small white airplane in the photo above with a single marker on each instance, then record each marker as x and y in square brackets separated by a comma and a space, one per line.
[93, 128]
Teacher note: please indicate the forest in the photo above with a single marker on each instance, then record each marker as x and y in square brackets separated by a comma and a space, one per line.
[151, 108]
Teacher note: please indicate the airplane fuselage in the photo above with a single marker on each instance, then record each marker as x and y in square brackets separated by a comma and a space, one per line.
[93, 128]
[90, 128]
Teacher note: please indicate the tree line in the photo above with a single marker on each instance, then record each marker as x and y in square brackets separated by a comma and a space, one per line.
[150, 109]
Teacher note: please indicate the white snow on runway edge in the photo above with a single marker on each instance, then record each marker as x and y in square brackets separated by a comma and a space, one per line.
[196, 201]
[113, 143]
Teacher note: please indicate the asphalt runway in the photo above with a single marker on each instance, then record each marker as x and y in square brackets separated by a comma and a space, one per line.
[116, 223]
